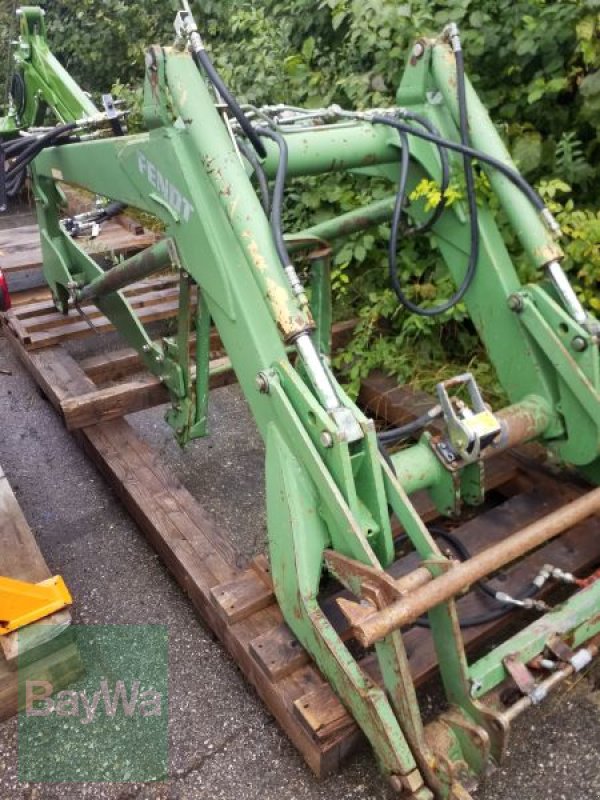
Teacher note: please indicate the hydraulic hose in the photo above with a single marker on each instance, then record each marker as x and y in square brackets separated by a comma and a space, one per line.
[394, 435]
[250, 155]
[202, 60]
[517, 180]
[471, 201]
[113, 209]
[34, 148]
[278, 193]
[464, 554]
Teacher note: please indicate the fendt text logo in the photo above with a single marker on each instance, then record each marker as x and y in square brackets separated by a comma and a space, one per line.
[170, 193]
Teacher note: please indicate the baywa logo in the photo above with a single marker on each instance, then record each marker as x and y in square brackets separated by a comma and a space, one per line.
[103, 715]
[39, 701]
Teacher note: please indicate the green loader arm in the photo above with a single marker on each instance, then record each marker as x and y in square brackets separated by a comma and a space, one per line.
[329, 490]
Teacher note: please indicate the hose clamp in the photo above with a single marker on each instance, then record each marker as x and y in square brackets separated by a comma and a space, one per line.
[452, 35]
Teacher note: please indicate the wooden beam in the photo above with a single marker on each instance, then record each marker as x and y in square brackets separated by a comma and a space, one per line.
[48, 650]
[20, 248]
[145, 391]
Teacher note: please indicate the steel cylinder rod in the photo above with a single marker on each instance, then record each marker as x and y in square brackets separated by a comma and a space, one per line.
[162, 255]
[462, 575]
[551, 682]
[520, 423]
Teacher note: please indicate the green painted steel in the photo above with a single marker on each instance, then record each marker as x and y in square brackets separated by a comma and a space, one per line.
[418, 467]
[535, 237]
[579, 617]
[47, 84]
[328, 488]
[345, 224]
[160, 256]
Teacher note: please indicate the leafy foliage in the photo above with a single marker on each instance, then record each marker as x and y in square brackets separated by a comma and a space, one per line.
[535, 63]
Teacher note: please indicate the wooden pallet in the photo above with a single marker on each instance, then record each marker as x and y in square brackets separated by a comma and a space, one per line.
[51, 654]
[20, 248]
[38, 324]
[238, 604]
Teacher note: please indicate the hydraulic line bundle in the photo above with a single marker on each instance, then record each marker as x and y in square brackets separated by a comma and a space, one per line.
[334, 486]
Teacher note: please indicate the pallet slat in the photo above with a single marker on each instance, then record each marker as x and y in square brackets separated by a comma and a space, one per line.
[20, 247]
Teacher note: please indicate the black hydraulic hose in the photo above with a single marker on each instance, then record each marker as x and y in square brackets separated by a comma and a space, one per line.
[22, 152]
[278, 193]
[36, 147]
[514, 177]
[394, 435]
[393, 247]
[17, 145]
[113, 210]
[464, 554]
[250, 155]
[471, 200]
[14, 186]
[202, 60]
[445, 182]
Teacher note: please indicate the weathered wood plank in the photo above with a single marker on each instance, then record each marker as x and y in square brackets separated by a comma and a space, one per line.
[146, 390]
[21, 558]
[136, 394]
[20, 247]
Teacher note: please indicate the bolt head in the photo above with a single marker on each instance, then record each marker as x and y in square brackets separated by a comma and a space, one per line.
[579, 344]
[418, 50]
[326, 439]
[262, 383]
[515, 303]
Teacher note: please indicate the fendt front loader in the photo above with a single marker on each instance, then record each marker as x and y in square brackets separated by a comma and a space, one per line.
[333, 485]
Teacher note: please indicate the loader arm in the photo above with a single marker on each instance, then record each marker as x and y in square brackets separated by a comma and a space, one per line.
[329, 490]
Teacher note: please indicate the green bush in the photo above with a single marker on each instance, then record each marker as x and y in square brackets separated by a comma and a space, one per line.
[535, 63]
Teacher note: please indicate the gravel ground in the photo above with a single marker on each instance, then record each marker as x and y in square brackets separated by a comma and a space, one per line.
[223, 744]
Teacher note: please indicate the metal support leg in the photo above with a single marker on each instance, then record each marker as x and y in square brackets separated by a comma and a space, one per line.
[202, 364]
[297, 541]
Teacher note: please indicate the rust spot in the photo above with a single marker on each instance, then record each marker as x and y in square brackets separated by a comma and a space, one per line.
[278, 297]
[548, 252]
[257, 257]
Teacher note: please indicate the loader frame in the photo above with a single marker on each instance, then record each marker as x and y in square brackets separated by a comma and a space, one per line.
[329, 490]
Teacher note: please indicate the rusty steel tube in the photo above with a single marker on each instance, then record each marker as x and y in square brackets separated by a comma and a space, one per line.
[520, 423]
[460, 576]
[413, 580]
[160, 256]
